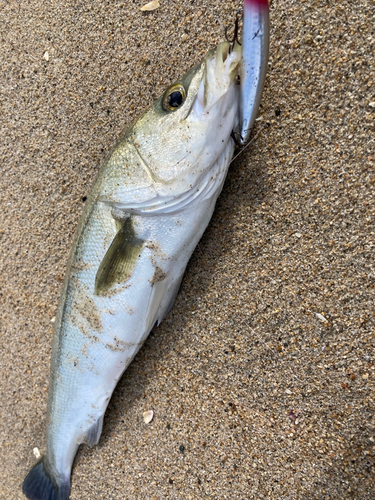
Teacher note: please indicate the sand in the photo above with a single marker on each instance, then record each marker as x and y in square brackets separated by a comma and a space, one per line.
[261, 378]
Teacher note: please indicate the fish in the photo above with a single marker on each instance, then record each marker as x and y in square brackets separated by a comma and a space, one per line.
[147, 210]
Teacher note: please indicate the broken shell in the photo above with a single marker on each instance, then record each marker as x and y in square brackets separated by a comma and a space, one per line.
[151, 6]
[148, 416]
[321, 317]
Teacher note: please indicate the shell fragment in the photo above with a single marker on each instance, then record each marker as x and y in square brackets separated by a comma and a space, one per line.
[148, 416]
[155, 4]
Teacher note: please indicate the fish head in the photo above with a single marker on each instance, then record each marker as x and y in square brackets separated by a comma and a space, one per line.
[184, 132]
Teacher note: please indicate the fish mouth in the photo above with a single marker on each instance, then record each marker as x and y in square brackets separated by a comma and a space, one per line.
[225, 52]
[226, 48]
[222, 65]
[226, 60]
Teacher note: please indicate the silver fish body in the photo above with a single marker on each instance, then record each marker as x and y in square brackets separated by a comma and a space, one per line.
[146, 212]
[100, 333]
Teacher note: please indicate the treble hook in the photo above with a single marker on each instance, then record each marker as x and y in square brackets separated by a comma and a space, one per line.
[235, 39]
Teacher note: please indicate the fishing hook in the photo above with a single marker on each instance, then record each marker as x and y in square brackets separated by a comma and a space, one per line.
[238, 139]
[235, 39]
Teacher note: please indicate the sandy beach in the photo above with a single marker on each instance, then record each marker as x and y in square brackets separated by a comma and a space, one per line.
[262, 376]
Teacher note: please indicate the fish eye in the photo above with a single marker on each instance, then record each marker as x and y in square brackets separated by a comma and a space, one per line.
[174, 97]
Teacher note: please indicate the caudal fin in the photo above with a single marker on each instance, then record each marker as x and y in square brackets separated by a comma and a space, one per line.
[39, 484]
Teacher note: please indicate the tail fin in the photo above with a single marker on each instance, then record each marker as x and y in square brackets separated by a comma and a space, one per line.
[39, 484]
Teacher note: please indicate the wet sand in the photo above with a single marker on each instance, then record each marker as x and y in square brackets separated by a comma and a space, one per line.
[262, 376]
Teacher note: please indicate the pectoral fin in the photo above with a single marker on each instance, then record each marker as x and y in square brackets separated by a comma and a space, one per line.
[119, 262]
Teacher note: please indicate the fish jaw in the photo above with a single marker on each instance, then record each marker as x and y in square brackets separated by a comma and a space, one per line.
[255, 49]
[221, 68]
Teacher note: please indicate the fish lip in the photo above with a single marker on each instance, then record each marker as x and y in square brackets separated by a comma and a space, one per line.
[225, 52]
[222, 65]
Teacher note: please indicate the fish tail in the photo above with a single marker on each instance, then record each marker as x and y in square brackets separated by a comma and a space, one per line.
[40, 484]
